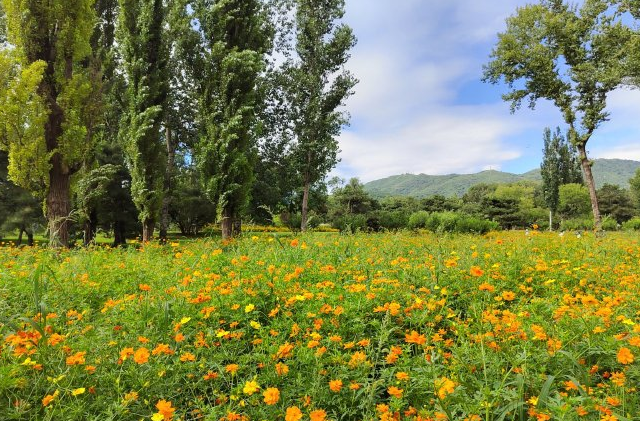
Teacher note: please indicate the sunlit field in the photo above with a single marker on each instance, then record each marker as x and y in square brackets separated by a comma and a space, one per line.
[508, 326]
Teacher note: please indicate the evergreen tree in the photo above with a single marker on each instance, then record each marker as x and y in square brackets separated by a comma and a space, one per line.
[559, 166]
[318, 86]
[230, 59]
[47, 101]
[144, 55]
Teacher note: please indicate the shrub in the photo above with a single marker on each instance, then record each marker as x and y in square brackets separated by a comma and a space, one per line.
[451, 222]
[418, 220]
[576, 224]
[632, 224]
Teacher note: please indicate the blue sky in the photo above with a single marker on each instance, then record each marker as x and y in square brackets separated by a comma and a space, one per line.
[420, 106]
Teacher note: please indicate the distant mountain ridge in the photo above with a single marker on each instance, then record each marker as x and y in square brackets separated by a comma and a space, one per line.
[605, 171]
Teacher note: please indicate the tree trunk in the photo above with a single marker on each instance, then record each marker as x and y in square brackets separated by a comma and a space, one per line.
[226, 225]
[29, 237]
[118, 234]
[168, 175]
[90, 227]
[58, 203]
[236, 228]
[305, 204]
[591, 185]
[550, 220]
[148, 225]
[20, 236]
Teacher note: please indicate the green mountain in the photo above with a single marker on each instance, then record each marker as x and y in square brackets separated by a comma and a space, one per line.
[611, 171]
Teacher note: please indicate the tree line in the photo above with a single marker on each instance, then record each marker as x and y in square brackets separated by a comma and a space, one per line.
[118, 113]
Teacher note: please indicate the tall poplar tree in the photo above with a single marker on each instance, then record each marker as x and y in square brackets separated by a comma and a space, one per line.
[572, 56]
[318, 86]
[47, 97]
[235, 38]
[144, 56]
[559, 166]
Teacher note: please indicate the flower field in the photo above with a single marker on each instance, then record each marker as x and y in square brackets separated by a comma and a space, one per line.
[507, 326]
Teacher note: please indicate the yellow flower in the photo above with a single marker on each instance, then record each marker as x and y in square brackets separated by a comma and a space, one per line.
[249, 308]
[251, 387]
[78, 391]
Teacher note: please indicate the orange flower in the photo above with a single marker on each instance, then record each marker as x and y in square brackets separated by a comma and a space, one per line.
[141, 356]
[165, 409]
[395, 392]
[144, 287]
[293, 414]
[271, 396]
[318, 415]
[508, 295]
[284, 351]
[282, 369]
[232, 368]
[486, 287]
[402, 376]
[49, 398]
[415, 338]
[55, 339]
[335, 385]
[76, 359]
[476, 271]
[187, 356]
[625, 356]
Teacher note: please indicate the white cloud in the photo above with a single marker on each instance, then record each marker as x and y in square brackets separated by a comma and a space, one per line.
[410, 112]
[461, 139]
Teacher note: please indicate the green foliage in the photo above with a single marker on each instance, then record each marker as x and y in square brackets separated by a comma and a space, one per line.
[22, 119]
[632, 224]
[559, 166]
[49, 60]
[317, 87]
[18, 208]
[615, 202]
[230, 57]
[144, 55]
[574, 201]
[451, 222]
[3, 26]
[350, 199]
[572, 56]
[634, 189]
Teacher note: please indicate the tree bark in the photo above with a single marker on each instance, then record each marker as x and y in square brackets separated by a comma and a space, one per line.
[148, 225]
[550, 220]
[168, 175]
[90, 227]
[591, 186]
[118, 234]
[58, 203]
[305, 204]
[226, 225]
[29, 237]
[20, 236]
[236, 228]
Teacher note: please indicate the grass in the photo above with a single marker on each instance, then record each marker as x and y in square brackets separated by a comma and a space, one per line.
[406, 326]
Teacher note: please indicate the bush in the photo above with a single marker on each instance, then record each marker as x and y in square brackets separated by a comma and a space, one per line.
[576, 224]
[351, 223]
[632, 224]
[451, 222]
[609, 224]
[387, 220]
[418, 220]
